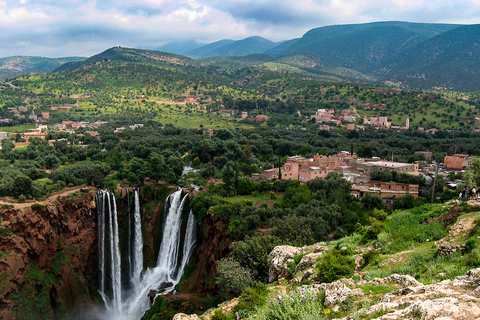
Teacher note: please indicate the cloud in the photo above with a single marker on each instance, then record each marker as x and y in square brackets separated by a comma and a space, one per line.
[86, 27]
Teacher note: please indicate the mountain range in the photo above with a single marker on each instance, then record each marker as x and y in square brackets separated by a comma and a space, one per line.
[412, 55]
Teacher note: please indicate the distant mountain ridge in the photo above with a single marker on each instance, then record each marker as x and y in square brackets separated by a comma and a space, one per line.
[17, 65]
[411, 55]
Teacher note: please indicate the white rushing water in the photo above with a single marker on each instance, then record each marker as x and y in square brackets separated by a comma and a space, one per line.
[178, 241]
[138, 242]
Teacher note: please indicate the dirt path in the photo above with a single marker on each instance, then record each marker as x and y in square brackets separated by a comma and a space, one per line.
[50, 199]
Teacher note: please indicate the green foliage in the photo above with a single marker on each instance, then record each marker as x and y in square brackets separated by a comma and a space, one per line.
[220, 315]
[369, 257]
[252, 297]
[157, 310]
[232, 277]
[33, 298]
[80, 173]
[37, 206]
[5, 232]
[406, 228]
[334, 265]
[252, 254]
[294, 307]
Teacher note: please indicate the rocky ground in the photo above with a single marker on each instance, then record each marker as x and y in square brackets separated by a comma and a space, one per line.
[393, 297]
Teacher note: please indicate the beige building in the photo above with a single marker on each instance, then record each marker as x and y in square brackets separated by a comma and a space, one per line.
[368, 165]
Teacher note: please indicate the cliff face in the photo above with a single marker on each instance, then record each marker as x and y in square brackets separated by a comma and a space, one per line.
[213, 247]
[46, 258]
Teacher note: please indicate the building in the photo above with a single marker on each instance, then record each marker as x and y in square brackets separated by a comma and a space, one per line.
[388, 191]
[456, 162]
[208, 132]
[426, 154]
[368, 165]
[260, 118]
[46, 115]
[3, 135]
[269, 174]
[244, 115]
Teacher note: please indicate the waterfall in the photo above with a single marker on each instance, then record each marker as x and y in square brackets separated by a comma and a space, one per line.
[137, 241]
[178, 242]
[109, 251]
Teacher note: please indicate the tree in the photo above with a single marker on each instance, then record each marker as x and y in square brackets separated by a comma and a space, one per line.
[51, 161]
[22, 185]
[232, 277]
[208, 170]
[472, 173]
[7, 145]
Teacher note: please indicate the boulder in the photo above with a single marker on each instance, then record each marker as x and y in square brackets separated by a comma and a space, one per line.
[183, 316]
[278, 261]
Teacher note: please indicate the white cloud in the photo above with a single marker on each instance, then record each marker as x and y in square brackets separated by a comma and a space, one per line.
[131, 23]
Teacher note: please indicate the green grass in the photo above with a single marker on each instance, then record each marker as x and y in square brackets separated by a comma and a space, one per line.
[19, 128]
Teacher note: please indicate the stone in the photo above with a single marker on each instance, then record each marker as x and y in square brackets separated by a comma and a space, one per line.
[278, 262]
[183, 316]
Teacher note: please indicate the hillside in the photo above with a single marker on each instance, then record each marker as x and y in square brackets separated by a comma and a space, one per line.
[421, 264]
[447, 61]
[128, 55]
[209, 49]
[14, 66]
[243, 47]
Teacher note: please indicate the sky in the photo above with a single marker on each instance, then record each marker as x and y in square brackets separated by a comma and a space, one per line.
[64, 28]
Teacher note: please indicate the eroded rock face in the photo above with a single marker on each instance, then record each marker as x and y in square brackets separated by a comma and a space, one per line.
[62, 231]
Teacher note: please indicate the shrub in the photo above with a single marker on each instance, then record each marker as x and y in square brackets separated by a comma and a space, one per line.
[334, 265]
[220, 315]
[252, 297]
[369, 256]
[295, 306]
[232, 277]
[37, 206]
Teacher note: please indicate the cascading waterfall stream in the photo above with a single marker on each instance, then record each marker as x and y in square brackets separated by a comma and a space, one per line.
[178, 241]
[138, 242]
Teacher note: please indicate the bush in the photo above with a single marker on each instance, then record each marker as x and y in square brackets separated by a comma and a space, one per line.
[292, 307]
[220, 315]
[232, 277]
[252, 297]
[252, 254]
[334, 265]
[37, 206]
[369, 257]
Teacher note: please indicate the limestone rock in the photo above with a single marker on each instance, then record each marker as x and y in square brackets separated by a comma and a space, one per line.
[278, 261]
[183, 316]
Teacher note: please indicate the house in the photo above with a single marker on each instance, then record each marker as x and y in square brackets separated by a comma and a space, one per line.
[244, 115]
[368, 165]
[260, 118]
[46, 115]
[456, 162]
[388, 191]
[208, 132]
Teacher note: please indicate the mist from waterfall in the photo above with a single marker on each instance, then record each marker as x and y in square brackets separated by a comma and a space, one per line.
[130, 299]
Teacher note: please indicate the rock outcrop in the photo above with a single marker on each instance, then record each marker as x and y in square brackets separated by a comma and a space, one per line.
[183, 316]
[57, 239]
[282, 257]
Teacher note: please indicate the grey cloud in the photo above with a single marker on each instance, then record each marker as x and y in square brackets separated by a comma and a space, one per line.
[273, 13]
